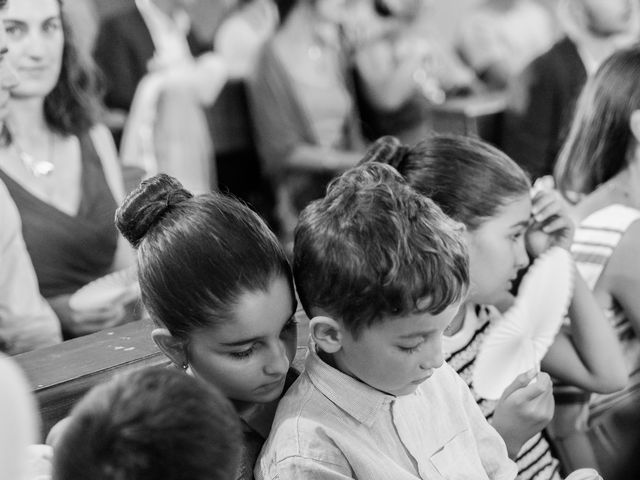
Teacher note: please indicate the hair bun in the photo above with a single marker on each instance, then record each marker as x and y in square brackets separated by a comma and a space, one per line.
[147, 204]
[387, 150]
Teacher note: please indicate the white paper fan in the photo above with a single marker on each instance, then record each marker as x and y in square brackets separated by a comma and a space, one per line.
[121, 287]
[520, 339]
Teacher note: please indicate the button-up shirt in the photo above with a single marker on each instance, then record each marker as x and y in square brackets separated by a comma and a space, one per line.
[332, 426]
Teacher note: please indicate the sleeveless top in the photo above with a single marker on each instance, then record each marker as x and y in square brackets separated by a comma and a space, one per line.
[595, 240]
[535, 461]
[67, 251]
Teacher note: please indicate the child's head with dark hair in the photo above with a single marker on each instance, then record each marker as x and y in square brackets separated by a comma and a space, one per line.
[478, 185]
[218, 285]
[381, 269]
[151, 424]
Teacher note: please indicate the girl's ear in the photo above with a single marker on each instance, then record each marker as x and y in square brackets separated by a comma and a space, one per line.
[634, 124]
[171, 346]
[326, 333]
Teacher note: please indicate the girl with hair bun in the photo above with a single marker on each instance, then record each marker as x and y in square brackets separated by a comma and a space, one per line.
[476, 184]
[218, 286]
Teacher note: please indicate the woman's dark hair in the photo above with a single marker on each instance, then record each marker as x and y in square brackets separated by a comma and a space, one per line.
[600, 139]
[466, 177]
[73, 106]
[197, 255]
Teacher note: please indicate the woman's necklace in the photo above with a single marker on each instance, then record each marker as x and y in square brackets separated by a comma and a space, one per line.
[38, 168]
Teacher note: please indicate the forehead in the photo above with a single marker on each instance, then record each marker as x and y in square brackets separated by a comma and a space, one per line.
[412, 324]
[258, 314]
[511, 213]
[31, 10]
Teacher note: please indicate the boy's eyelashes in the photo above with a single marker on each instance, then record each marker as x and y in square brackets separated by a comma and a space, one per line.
[410, 349]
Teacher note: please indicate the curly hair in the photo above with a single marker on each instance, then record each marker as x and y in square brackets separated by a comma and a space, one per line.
[373, 249]
[73, 106]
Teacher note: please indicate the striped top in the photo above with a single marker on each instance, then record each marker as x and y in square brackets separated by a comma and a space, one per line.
[535, 461]
[595, 240]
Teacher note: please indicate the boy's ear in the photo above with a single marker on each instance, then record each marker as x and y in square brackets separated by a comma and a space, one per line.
[634, 124]
[171, 346]
[326, 333]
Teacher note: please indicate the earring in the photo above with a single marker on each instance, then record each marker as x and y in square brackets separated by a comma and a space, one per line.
[185, 366]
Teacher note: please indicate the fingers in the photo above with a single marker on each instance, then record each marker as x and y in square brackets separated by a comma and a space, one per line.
[520, 381]
[540, 386]
[547, 204]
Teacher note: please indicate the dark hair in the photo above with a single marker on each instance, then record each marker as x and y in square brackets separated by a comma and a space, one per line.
[197, 255]
[373, 248]
[154, 423]
[468, 178]
[73, 106]
[600, 138]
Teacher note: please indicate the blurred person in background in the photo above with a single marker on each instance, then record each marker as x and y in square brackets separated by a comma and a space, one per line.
[26, 319]
[542, 98]
[302, 105]
[60, 165]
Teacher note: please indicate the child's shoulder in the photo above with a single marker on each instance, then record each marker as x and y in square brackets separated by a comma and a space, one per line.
[302, 428]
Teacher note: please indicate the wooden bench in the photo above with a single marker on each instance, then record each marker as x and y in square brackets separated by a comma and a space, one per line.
[61, 374]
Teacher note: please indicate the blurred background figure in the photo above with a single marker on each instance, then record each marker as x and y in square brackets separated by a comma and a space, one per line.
[243, 33]
[156, 31]
[498, 38]
[26, 319]
[60, 166]
[302, 105]
[163, 75]
[400, 72]
[542, 98]
[18, 422]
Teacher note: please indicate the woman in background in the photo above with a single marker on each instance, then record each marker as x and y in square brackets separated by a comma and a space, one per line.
[60, 165]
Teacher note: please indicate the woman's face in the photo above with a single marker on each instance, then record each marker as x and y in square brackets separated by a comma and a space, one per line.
[248, 357]
[497, 251]
[36, 42]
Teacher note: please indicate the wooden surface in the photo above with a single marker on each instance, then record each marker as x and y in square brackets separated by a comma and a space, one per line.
[61, 374]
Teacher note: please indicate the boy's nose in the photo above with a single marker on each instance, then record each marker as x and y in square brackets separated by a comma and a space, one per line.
[434, 357]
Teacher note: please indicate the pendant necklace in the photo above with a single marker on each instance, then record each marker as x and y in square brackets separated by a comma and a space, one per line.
[38, 168]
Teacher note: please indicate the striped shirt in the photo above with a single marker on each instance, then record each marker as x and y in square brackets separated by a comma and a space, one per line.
[535, 461]
[595, 240]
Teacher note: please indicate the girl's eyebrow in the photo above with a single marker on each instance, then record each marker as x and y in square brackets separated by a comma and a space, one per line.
[522, 223]
[254, 339]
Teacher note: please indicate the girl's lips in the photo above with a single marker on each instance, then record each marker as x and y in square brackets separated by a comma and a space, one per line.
[267, 387]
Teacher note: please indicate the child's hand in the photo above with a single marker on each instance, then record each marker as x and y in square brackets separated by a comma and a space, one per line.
[525, 408]
[551, 224]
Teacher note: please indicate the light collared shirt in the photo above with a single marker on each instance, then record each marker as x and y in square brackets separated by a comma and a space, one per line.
[26, 319]
[332, 426]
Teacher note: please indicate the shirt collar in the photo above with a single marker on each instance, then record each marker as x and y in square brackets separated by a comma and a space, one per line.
[356, 398]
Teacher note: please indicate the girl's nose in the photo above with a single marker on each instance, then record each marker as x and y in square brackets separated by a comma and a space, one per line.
[278, 362]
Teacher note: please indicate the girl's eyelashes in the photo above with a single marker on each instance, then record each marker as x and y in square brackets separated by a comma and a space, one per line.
[242, 354]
